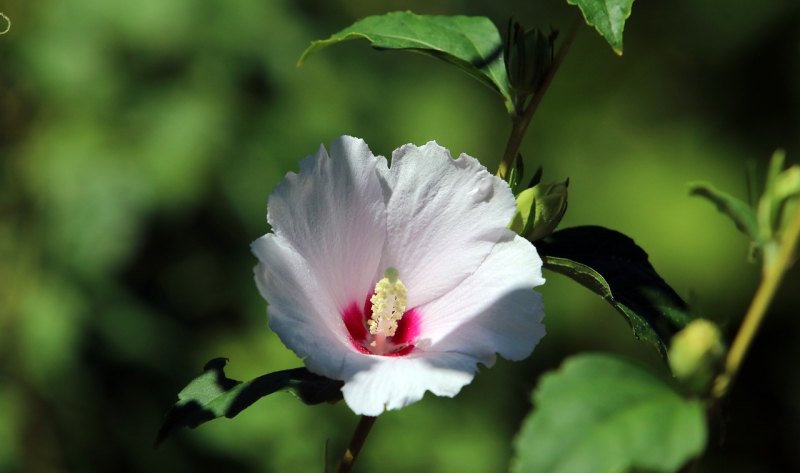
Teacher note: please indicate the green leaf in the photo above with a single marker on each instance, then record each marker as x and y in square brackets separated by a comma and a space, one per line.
[743, 216]
[212, 394]
[470, 42]
[607, 17]
[613, 266]
[603, 414]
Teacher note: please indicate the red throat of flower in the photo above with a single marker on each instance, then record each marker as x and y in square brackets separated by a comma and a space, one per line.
[382, 325]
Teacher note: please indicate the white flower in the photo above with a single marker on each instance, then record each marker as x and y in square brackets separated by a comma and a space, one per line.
[397, 280]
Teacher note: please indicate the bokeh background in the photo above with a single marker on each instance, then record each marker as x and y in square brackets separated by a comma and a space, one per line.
[139, 142]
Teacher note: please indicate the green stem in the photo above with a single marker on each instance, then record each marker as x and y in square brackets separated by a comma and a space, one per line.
[773, 274]
[359, 437]
[520, 122]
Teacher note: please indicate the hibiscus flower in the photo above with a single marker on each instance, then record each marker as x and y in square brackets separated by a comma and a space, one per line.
[397, 279]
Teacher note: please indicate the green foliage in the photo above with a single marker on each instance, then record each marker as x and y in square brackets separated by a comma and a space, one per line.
[780, 193]
[765, 223]
[743, 216]
[516, 174]
[128, 206]
[608, 18]
[471, 43]
[212, 394]
[613, 266]
[603, 414]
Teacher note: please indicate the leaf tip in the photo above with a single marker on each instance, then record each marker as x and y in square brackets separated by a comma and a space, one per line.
[307, 52]
[216, 364]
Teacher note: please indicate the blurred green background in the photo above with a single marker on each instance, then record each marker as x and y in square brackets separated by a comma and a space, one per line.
[139, 142]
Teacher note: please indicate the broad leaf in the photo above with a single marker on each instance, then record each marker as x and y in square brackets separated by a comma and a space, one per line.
[603, 414]
[743, 216]
[613, 266]
[470, 42]
[212, 394]
[607, 17]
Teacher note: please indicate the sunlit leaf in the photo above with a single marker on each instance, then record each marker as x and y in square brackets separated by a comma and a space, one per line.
[603, 414]
[608, 18]
[743, 216]
[613, 266]
[470, 42]
[212, 394]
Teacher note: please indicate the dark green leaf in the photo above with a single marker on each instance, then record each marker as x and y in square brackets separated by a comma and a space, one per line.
[471, 43]
[212, 394]
[743, 216]
[608, 18]
[603, 414]
[613, 266]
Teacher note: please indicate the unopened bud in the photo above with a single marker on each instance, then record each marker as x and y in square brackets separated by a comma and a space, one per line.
[528, 57]
[540, 210]
[696, 355]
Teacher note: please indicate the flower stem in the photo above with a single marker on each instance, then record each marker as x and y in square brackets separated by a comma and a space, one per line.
[773, 274]
[521, 121]
[359, 437]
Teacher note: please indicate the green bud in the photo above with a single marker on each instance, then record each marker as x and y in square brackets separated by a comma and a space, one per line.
[696, 355]
[540, 210]
[528, 57]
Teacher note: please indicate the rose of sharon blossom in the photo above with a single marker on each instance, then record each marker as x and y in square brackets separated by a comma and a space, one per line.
[397, 279]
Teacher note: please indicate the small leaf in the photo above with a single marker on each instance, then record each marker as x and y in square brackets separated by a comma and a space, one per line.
[212, 394]
[470, 42]
[613, 266]
[781, 186]
[608, 18]
[515, 176]
[743, 216]
[599, 413]
[788, 184]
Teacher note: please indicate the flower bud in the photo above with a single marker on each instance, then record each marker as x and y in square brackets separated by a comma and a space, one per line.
[540, 209]
[696, 355]
[528, 57]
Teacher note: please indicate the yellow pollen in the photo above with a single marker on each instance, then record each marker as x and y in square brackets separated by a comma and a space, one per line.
[388, 304]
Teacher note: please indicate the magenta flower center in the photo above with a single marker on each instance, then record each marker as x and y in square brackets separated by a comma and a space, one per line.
[356, 317]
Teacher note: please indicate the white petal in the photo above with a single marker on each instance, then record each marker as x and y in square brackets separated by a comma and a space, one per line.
[303, 316]
[393, 383]
[329, 226]
[495, 310]
[444, 217]
[333, 215]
